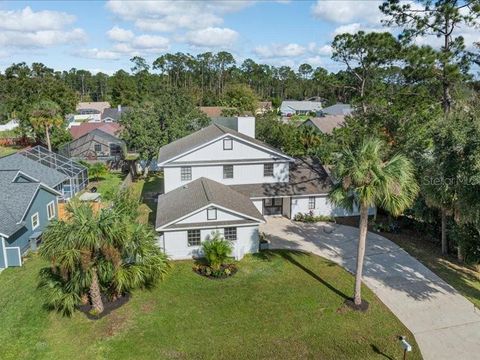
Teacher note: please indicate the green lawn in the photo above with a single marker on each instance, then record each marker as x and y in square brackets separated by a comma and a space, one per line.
[148, 190]
[280, 305]
[4, 151]
[107, 184]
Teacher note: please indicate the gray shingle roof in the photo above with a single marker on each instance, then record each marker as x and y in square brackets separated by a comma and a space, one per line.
[325, 124]
[306, 177]
[15, 198]
[198, 194]
[203, 136]
[42, 173]
[338, 109]
[114, 114]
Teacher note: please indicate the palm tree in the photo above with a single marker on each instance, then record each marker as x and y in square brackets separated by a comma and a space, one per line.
[216, 250]
[94, 254]
[364, 178]
[45, 115]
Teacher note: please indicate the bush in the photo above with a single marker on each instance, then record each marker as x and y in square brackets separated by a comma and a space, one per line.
[311, 218]
[468, 238]
[216, 251]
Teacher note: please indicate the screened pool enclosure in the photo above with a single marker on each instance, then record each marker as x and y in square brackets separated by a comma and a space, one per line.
[75, 173]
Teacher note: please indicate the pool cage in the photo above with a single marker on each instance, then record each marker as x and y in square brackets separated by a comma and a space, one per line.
[77, 173]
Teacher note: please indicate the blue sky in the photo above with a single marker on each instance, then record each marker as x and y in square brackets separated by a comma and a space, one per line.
[104, 35]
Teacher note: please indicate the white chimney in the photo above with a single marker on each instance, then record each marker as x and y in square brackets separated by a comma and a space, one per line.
[119, 108]
[246, 125]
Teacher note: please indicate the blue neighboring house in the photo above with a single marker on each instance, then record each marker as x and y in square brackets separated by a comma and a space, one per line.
[26, 207]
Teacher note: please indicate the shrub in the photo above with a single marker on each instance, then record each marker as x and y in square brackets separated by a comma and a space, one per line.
[468, 238]
[216, 251]
[311, 218]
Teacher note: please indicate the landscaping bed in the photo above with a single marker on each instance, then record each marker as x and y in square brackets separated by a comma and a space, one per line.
[280, 304]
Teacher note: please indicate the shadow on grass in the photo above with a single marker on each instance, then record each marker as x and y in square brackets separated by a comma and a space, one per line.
[287, 255]
[379, 352]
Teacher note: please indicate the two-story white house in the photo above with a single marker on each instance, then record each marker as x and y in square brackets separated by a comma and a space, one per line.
[251, 178]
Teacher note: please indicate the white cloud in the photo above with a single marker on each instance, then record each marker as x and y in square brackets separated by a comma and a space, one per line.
[279, 50]
[211, 37]
[174, 15]
[118, 34]
[344, 12]
[25, 28]
[26, 20]
[324, 50]
[150, 42]
[41, 39]
[356, 27]
[97, 54]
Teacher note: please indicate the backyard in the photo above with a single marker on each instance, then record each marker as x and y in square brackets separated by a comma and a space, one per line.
[280, 305]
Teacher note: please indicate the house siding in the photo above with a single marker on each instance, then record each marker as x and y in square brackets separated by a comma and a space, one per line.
[242, 174]
[323, 207]
[39, 204]
[3, 263]
[175, 243]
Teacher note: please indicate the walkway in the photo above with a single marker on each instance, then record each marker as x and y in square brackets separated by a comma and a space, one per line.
[445, 324]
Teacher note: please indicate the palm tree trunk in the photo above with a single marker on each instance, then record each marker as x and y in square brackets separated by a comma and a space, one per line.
[95, 294]
[459, 253]
[444, 232]
[363, 227]
[47, 135]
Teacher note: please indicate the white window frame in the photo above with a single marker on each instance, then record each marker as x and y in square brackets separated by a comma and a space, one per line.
[186, 173]
[214, 216]
[312, 203]
[265, 173]
[230, 233]
[199, 237]
[228, 144]
[52, 205]
[233, 171]
[38, 220]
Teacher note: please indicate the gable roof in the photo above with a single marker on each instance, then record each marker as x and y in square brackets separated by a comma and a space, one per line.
[84, 128]
[199, 194]
[114, 114]
[338, 109]
[15, 199]
[325, 124]
[35, 169]
[204, 136]
[96, 105]
[302, 105]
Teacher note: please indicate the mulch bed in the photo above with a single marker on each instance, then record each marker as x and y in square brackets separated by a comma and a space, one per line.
[206, 271]
[108, 306]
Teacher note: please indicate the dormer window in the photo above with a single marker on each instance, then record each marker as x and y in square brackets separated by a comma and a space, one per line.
[212, 214]
[227, 144]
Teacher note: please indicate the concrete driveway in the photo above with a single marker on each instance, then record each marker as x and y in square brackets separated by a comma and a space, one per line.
[445, 324]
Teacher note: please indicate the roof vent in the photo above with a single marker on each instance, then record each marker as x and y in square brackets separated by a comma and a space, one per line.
[185, 186]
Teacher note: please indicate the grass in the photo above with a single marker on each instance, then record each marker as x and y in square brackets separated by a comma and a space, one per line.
[4, 150]
[464, 278]
[280, 305]
[148, 190]
[107, 184]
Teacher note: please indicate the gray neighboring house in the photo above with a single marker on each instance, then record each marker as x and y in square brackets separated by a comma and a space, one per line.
[324, 124]
[96, 145]
[114, 114]
[294, 107]
[55, 171]
[338, 109]
[26, 207]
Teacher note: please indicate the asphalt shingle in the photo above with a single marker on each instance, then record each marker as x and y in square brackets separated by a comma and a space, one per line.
[198, 194]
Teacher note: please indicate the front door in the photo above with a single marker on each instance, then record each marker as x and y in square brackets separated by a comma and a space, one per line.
[272, 206]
